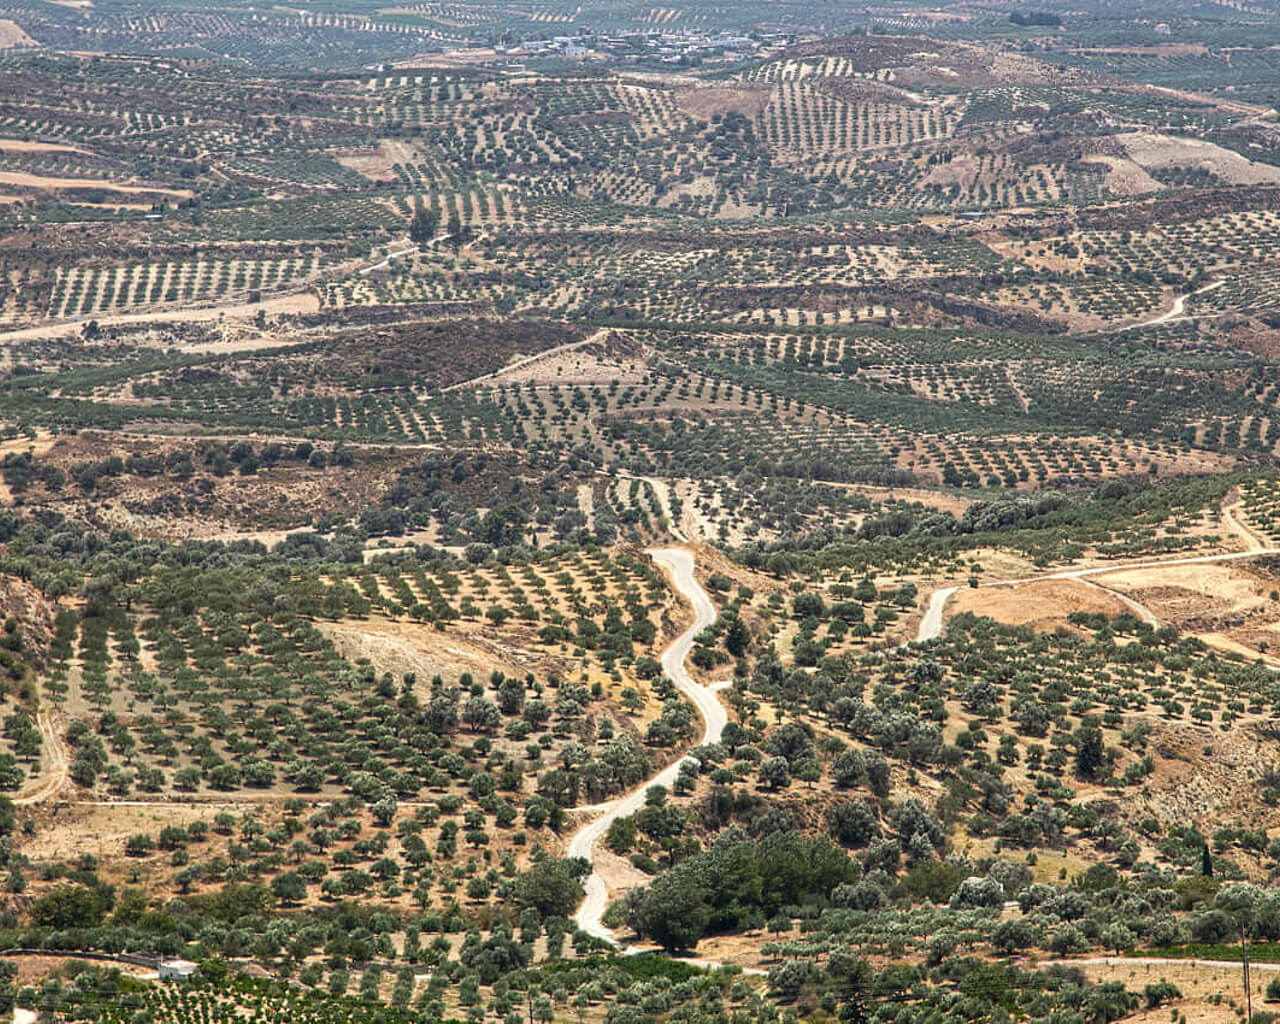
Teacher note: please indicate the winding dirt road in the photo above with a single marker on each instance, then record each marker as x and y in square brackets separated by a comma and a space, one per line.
[680, 563]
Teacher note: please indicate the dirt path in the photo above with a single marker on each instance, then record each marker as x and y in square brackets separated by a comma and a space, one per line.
[53, 769]
[1100, 570]
[596, 336]
[661, 491]
[680, 564]
[1233, 521]
[1137, 607]
[932, 624]
[299, 300]
[391, 257]
[587, 504]
[1016, 388]
[24, 179]
[1177, 312]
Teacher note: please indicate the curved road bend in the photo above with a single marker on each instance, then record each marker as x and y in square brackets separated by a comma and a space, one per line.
[680, 563]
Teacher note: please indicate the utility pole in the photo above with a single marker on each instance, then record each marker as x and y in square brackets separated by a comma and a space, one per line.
[1248, 989]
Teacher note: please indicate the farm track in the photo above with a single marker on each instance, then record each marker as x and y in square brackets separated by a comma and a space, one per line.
[391, 257]
[596, 336]
[1178, 313]
[54, 774]
[1137, 607]
[680, 563]
[940, 597]
[1232, 521]
[663, 493]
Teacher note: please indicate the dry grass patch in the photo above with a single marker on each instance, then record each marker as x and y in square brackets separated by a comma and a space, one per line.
[704, 102]
[1043, 605]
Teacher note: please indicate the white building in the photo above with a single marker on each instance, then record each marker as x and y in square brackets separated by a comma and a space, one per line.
[177, 970]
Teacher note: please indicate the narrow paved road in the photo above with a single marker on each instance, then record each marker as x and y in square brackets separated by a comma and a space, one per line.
[582, 844]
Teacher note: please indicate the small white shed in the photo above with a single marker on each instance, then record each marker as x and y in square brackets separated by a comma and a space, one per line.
[177, 970]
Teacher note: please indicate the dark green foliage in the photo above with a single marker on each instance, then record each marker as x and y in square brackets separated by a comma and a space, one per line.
[552, 887]
[72, 906]
[735, 881]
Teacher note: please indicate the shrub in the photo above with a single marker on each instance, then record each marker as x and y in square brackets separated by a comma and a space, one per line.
[853, 823]
[1161, 992]
[978, 892]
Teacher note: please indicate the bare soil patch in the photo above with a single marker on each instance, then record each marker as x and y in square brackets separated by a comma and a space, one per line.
[1198, 596]
[1201, 986]
[960, 171]
[1043, 605]
[24, 602]
[1254, 336]
[32, 146]
[374, 164]
[1124, 177]
[595, 361]
[403, 647]
[943, 501]
[278, 499]
[619, 874]
[45, 183]
[101, 829]
[298, 302]
[1154, 151]
[34, 969]
[703, 102]
[1229, 606]
[12, 35]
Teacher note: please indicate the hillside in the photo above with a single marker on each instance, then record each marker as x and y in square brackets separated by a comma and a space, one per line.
[731, 514]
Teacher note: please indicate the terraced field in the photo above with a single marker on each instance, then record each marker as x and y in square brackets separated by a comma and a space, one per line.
[732, 514]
